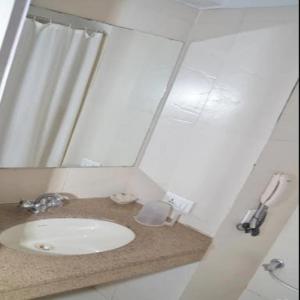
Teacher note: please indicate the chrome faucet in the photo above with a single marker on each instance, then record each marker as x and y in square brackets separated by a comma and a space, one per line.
[43, 202]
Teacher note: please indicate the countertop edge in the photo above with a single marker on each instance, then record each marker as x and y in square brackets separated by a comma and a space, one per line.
[108, 277]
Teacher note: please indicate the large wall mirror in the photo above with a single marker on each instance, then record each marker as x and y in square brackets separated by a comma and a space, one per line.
[81, 93]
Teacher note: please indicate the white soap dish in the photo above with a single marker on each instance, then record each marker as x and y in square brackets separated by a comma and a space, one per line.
[123, 198]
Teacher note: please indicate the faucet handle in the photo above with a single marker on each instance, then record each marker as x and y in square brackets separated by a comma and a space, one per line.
[43, 202]
[25, 203]
[50, 197]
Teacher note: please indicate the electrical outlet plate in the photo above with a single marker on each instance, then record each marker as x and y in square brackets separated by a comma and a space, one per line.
[180, 204]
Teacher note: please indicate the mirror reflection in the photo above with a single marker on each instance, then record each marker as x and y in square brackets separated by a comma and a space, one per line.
[81, 93]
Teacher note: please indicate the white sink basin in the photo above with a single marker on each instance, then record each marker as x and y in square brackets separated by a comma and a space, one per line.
[67, 236]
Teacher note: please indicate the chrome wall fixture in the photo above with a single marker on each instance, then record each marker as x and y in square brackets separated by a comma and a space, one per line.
[272, 267]
[254, 219]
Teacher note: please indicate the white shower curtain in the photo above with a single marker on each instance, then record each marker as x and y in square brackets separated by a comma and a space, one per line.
[44, 92]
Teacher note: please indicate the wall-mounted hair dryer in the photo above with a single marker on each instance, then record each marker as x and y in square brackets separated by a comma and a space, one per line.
[254, 219]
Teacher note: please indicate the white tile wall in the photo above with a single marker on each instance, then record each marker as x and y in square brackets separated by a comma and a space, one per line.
[236, 254]
[17, 184]
[286, 247]
[250, 295]
[86, 294]
[164, 285]
[233, 85]
[288, 127]
[218, 24]
[96, 182]
[144, 187]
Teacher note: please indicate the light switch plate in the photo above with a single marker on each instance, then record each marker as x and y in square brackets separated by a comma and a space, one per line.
[180, 204]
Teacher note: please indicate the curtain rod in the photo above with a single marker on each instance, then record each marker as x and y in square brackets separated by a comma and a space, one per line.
[46, 20]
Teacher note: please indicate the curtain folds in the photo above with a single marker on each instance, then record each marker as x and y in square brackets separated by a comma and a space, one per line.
[44, 93]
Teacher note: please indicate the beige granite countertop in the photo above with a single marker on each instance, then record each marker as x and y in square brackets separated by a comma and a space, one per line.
[28, 276]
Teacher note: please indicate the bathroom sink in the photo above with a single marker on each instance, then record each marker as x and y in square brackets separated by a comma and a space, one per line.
[67, 236]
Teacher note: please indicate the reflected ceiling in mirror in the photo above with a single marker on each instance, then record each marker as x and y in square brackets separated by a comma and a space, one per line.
[81, 93]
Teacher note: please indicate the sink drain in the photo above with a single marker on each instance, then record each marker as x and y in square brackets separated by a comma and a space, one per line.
[43, 247]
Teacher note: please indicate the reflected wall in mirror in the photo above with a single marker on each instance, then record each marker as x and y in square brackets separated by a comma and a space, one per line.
[81, 93]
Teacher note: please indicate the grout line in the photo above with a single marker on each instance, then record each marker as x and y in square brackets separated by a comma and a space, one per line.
[288, 101]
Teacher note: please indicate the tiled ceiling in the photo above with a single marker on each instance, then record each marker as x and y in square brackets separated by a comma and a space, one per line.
[205, 4]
